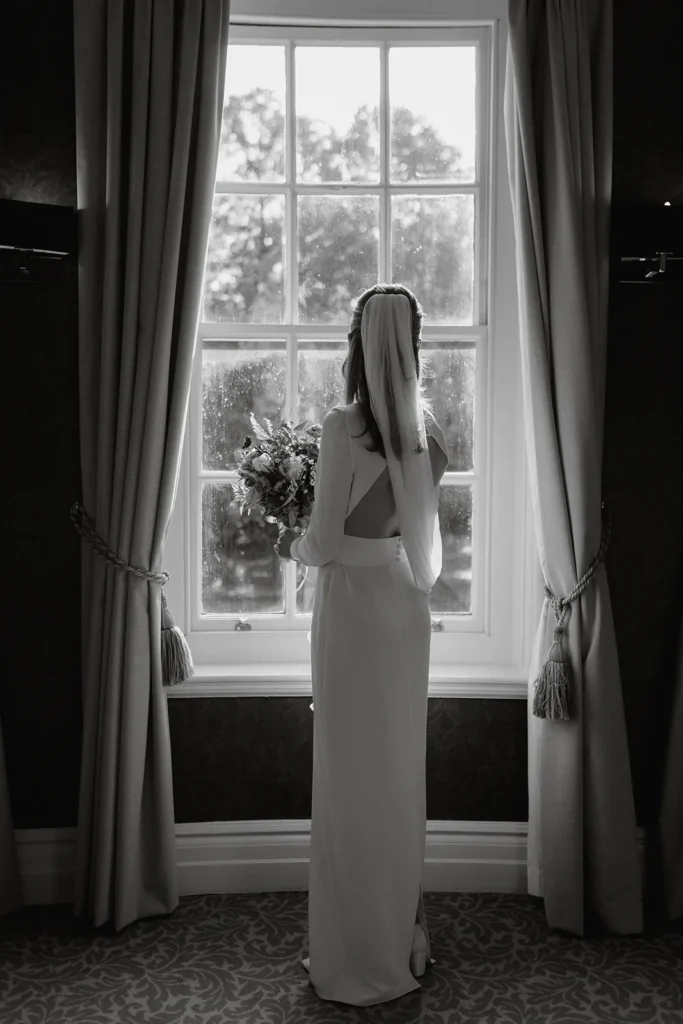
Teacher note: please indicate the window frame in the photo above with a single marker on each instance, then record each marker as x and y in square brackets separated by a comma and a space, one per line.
[490, 647]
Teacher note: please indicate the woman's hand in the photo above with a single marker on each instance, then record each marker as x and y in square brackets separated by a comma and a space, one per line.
[285, 542]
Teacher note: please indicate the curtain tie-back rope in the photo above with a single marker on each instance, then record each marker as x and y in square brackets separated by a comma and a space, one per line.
[176, 657]
[552, 696]
[86, 528]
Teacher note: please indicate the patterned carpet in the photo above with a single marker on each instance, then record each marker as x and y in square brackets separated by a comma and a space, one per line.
[236, 959]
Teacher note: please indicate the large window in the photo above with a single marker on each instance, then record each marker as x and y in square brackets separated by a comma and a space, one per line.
[349, 156]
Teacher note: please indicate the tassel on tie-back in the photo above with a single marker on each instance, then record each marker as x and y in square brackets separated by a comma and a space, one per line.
[554, 684]
[552, 694]
[176, 656]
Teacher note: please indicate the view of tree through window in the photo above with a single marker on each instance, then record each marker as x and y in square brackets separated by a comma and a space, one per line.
[431, 244]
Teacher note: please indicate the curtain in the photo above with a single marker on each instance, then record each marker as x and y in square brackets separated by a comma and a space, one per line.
[11, 891]
[149, 99]
[582, 843]
[671, 808]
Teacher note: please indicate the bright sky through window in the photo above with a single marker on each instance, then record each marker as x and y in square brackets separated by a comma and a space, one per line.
[436, 82]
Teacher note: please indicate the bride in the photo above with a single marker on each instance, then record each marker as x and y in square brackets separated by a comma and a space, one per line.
[374, 534]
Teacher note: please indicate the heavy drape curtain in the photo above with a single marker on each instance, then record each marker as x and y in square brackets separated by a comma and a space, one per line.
[149, 99]
[582, 842]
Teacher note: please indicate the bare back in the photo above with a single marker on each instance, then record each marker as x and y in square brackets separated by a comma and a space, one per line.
[375, 514]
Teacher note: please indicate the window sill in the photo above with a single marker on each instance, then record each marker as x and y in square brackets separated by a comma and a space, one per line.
[294, 680]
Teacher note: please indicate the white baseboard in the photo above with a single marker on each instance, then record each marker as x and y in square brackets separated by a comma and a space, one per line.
[46, 863]
[273, 856]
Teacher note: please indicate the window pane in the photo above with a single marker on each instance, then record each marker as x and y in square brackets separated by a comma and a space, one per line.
[252, 143]
[243, 277]
[337, 113]
[449, 374]
[338, 254]
[241, 571]
[306, 591]
[453, 590]
[321, 384]
[433, 253]
[433, 111]
[238, 377]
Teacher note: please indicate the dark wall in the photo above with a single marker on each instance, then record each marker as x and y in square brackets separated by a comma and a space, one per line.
[642, 463]
[251, 757]
[40, 693]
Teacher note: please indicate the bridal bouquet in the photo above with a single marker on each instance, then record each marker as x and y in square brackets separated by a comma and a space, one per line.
[276, 470]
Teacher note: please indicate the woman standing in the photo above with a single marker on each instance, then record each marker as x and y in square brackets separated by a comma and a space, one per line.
[374, 534]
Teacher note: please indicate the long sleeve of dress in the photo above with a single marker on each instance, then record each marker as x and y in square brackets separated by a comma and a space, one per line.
[333, 477]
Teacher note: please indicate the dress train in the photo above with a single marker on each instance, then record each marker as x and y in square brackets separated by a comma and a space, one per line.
[420, 953]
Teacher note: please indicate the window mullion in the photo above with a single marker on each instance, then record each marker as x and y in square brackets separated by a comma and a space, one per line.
[384, 222]
[290, 198]
[290, 591]
[291, 272]
[329, 188]
[454, 476]
[291, 405]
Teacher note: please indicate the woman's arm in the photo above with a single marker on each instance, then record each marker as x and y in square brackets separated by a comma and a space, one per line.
[333, 476]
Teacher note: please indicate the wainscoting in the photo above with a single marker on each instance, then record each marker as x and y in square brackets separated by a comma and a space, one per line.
[273, 856]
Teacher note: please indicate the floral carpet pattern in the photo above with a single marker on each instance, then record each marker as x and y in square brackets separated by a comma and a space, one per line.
[236, 959]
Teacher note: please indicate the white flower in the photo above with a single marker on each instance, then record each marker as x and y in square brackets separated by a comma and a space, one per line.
[293, 467]
[263, 461]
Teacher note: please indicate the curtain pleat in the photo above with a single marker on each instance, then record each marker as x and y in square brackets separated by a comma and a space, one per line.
[582, 855]
[149, 102]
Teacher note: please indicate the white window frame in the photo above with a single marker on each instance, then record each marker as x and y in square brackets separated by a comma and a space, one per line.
[487, 652]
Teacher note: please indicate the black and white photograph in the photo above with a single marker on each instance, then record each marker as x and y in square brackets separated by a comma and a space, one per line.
[343, 528]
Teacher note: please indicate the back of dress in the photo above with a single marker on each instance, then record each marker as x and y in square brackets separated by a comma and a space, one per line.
[374, 534]
[370, 652]
[371, 510]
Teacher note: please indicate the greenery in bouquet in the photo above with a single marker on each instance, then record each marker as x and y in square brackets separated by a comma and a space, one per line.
[276, 470]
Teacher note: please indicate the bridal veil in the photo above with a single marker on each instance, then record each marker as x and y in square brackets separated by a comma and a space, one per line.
[393, 386]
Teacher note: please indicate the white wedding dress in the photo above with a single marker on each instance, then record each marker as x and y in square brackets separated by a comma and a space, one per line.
[370, 646]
